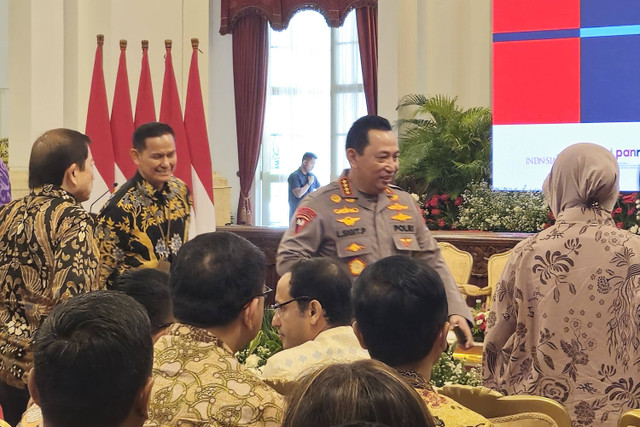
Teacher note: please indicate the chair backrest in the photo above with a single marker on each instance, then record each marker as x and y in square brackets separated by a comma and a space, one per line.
[630, 419]
[524, 410]
[459, 262]
[495, 266]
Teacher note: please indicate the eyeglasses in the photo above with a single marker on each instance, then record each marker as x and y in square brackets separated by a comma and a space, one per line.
[267, 290]
[264, 293]
[277, 306]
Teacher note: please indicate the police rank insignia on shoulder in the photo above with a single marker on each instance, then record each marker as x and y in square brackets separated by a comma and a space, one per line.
[401, 217]
[335, 198]
[304, 216]
[356, 266]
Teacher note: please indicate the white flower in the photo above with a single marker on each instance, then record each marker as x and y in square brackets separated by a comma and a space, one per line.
[415, 197]
[252, 361]
[634, 229]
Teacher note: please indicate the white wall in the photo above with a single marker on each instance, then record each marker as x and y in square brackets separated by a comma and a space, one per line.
[434, 47]
[425, 46]
[52, 50]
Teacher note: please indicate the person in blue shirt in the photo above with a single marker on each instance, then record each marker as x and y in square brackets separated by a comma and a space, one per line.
[302, 182]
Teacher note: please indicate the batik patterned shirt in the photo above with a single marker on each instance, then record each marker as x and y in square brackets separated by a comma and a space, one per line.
[47, 254]
[141, 227]
[564, 321]
[445, 411]
[199, 383]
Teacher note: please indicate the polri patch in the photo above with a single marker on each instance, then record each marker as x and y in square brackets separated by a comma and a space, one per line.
[304, 216]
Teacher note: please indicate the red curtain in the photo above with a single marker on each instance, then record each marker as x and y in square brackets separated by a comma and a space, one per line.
[279, 12]
[247, 21]
[367, 20]
[250, 49]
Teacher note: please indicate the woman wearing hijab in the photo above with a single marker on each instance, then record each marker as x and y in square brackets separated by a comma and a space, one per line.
[565, 319]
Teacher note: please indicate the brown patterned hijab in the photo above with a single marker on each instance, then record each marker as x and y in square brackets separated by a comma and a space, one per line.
[583, 175]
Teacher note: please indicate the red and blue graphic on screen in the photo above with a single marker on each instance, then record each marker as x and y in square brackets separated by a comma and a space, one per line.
[566, 61]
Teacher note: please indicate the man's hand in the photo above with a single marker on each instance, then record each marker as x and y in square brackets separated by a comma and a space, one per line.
[461, 322]
[310, 179]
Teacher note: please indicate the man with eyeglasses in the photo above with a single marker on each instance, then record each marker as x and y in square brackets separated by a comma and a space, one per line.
[218, 302]
[313, 316]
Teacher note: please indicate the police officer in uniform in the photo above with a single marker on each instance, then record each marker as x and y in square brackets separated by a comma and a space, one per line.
[362, 217]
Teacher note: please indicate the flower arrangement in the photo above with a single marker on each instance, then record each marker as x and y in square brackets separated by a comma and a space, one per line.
[449, 370]
[440, 211]
[626, 213]
[264, 345]
[484, 209]
[479, 324]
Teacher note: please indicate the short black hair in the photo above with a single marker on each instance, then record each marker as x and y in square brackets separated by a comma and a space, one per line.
[150, 130]
[358, 136]
[52, 154]
[308, 156]
[325, 280]
[213, 276]
[150, 287]
[92, 356]
[400, 305]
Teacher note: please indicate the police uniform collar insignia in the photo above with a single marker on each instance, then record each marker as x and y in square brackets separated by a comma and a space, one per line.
[335, 198]
[401, 217]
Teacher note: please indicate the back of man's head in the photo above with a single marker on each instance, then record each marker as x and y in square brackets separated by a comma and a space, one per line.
[325, 280]
[358, 135]
[213, 277]
[150, 287]
[92, 359]
[150, 130]
[400, 306]
[53, 152]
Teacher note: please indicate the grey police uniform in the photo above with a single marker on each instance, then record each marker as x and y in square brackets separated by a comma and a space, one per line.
[339, 221]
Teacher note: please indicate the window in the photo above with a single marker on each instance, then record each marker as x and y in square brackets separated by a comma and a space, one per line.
[314, 94]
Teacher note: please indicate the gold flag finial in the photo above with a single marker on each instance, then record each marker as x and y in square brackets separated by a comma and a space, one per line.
[194, 43]
[145, 44]
[167, 44]
[100, 38]
[123, 44]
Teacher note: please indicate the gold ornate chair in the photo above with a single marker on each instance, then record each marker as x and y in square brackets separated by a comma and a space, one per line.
[630, 419]
[459, 262]
[495, 265]
[503, 411]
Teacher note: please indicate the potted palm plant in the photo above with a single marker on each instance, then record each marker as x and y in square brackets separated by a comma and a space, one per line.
[443, 148]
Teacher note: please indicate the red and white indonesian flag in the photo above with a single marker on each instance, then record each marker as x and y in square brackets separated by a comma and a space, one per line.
[98, 129]
[196, 127]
